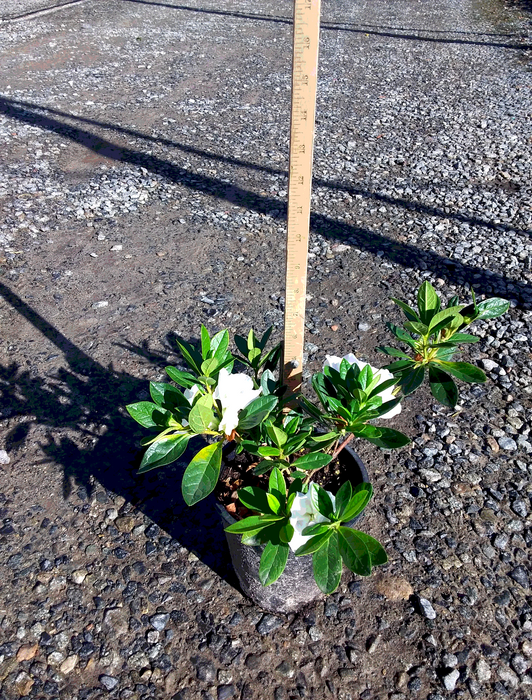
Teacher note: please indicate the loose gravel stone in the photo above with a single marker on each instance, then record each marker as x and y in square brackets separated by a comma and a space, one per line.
[450, 680]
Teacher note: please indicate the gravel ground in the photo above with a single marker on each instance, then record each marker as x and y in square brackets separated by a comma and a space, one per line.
[143, 191]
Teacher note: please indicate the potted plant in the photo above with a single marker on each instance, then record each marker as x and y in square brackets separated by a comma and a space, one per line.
[292, 488]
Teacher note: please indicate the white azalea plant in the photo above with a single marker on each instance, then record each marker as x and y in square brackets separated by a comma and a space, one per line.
[292, 445]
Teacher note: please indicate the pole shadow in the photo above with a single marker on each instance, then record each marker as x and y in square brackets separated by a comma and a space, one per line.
[454, 271]
[91, 436]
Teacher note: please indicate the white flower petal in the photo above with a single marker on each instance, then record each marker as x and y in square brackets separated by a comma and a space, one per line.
[189, 394]
[234, 392]
[303, 514]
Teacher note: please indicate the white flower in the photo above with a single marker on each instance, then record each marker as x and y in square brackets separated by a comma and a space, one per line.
[234, 392]
[384, 375]
[191, 393]
[305, 513]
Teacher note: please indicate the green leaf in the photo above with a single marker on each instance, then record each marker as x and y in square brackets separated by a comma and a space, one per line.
[411, 379]
[442, 387]
[167, 396]
[205, 342]
[242, 345]
[251, 340]
[316, 529]
[401, 334]
[253, 523]
[409, 312]
[201, 416]
[399, 366]
[314, 543]
[278, 436]
[268, 382]
[325, 506]
[209, 367]
[262, 343]
[419, 328]
[387, 438]
[254, 498]
[256, 412]
[277, 485]
[464, 371]
[428, 302]
[148, 414]
[202, 473]
[375, 549]
[391, 351]
[184, 379]
[342, 499]
[190, 354]
[267, 451]
[440, 320]
[163, 452]
[274, 503]
[354, 551]
[327, 565]
[286, 532]
[220, 345]
[359, 500]
[272, 562]
[464, 338]
[263, 467]
[313, 460]
[492, 308]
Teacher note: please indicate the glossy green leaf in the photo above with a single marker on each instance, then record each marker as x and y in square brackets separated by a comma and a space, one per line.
[464, 371]
[314, 543]
[376, 550]
[163, 452]
[442, 386]
[267, 451]
[202, 473]
[286, 532]
[411, 379]
[273, 562]
[268, 382]
[327, 565]
[209, 367]
[278, 436]
[415, 327]
[313, 460]
[402, 335]
[325, 506]
[492, 308]
[409, 312]
[387, 438]
[277, 485]
[437, 321]
[149, 414]
[342, 499]
[428, 302]
[464, 338]
[359, 500]
[316, 529]
[201, 416]
[205, 342]
[168, 396]
[273, 502]
[190, 354]
[393, 352]
[256, 412]
[184, 379]
[253, 523]
[254, 498]
[220, 345]
[354, 551]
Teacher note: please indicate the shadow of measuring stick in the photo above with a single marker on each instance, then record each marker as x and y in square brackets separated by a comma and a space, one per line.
[90, 435]
[405, 254]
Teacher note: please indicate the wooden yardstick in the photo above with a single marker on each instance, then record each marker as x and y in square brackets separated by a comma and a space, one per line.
[304, 79]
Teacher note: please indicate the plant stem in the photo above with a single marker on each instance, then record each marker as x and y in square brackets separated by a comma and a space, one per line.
[341, 447]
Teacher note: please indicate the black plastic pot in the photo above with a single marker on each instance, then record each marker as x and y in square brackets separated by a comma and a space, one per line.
[296, 587]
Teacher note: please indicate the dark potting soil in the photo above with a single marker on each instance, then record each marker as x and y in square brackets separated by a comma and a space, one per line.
[237, 473]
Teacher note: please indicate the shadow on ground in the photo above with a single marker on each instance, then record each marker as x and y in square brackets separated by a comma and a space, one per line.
[484, 281]
[366, 29]
[90, 435]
